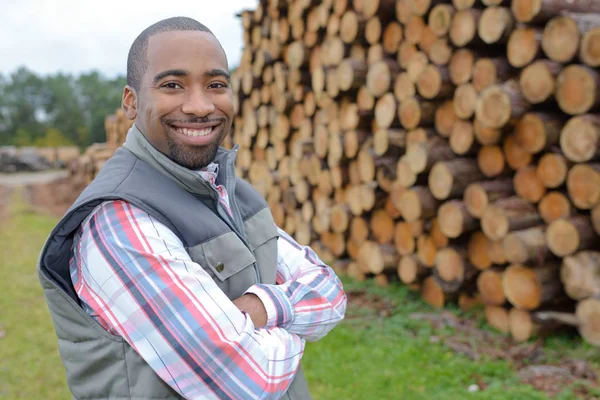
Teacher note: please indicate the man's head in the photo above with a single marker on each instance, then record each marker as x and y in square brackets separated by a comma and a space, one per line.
[178, 90]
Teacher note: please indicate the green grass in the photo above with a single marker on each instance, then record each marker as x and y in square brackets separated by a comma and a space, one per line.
[30, 367]
[366, 357]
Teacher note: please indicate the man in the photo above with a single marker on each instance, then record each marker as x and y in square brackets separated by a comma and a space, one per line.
[168, 278]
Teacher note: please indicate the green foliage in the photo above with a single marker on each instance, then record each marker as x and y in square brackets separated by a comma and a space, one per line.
[53, 138]
[31, 105]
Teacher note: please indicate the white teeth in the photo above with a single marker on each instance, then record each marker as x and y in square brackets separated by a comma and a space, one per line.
[195, 132]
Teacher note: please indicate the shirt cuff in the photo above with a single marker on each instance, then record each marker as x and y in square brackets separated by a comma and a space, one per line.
[280, 312]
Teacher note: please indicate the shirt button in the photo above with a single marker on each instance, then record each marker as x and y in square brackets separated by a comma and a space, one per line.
[220, 267]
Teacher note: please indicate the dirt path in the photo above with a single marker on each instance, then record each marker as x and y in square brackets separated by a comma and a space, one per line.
[30, 178]
[47, 191]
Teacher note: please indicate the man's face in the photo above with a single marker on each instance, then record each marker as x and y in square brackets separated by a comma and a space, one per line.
[185, 103]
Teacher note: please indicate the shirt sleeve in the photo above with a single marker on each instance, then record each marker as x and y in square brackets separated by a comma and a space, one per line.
[135, 277]
[309, 299]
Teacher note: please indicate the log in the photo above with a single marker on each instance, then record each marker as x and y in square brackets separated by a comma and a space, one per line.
[537, 131]
[440, 52]
[460, 67]
[497, 317]
[580, 275]
[426, 250]
[434, 82]
[542, 10]
[413, 29]
[565, 236]
[538, 81]
[489, 71]
[351, 27]
[507, 215]
[414, 113]
[373, 30]
[454, 219]
[450, 178]
[479, 195]
[528, 186]
[437, 236]
[527, 246]
[463, 28]
[417, 203]
[364, 99]
[463, 4]
[495, 25]
[577, 89]
[405, 176]
[451, 270]
[385, 111]
[392, 37]
[386, 139]
[379, 76]
[432, 292]
[477, 251]
[588, 314]
[423, 156]
[523, 46]
[351, 74]
[490, 161]
[410, 270]
[465, 101]
[583, 185]
[406, 51]
[589, 49]
[416, 64]
[440, 18]
[404, 87]
[552, 170]
[376, 259]
[489, 287]
[496, 252]
[497, 104]
[529, 288]
[580, 138]
[515, 155]
[403, 239]
[553, 206]
[382, 226]
[486, 136]
[462, 138]
[445, 118]
[562, 35]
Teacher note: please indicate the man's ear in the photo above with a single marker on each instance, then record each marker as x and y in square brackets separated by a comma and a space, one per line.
[129, 102]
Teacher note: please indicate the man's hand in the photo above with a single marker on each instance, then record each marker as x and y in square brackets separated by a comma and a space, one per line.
[252, 305]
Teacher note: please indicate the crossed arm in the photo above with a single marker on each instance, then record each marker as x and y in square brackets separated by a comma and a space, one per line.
[135, 277]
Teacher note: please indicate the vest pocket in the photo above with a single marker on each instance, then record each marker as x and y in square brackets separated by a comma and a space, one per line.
[223, 256]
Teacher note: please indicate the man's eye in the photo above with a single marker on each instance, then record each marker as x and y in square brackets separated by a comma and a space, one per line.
[171, 85]
[217, 85]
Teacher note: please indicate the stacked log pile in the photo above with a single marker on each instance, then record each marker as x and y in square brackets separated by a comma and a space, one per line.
[83, 169]
[453, 145]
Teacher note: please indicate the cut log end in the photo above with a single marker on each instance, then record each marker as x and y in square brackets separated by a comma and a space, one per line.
[576, 89]
[588, 313]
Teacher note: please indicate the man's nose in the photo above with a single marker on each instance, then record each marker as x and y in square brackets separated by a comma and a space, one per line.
[198, 103]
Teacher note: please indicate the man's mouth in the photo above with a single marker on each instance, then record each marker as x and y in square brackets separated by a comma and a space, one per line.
[195, 132]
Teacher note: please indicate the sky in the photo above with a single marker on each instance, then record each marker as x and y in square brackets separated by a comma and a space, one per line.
[76, 36]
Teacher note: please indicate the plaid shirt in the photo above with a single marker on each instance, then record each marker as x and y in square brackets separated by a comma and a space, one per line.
[135, 278]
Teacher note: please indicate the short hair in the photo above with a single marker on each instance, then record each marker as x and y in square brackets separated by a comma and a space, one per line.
[136, 60]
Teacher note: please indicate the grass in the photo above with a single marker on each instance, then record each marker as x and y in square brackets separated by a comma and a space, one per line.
[365, 357]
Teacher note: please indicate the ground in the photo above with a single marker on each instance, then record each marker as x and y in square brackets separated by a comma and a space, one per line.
[391, 344]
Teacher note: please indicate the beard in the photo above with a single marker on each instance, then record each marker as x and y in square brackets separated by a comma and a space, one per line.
[195, 157]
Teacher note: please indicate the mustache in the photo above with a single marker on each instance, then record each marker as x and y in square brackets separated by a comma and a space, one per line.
[194, 120]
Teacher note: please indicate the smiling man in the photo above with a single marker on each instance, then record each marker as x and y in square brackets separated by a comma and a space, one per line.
[168, 277]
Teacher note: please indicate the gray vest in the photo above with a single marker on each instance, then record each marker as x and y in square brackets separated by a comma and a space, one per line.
[236, 252]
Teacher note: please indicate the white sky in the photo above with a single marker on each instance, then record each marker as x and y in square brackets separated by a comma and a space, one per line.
[77, 36]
